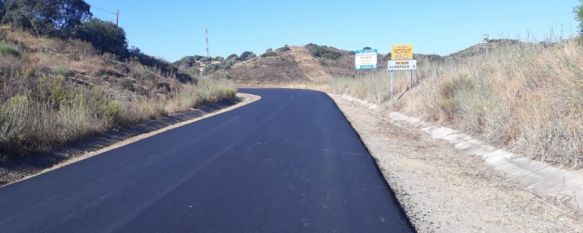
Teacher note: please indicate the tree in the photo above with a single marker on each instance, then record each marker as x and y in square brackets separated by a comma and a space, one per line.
[269, 53]
[322, 51]
[2, 8]
[233, 57]
[366, 48]
[285, 48]
[105, 36]
[579, 16]
[247, 55]
[47, 17]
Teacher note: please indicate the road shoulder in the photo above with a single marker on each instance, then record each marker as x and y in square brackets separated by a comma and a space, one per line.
[445, 190]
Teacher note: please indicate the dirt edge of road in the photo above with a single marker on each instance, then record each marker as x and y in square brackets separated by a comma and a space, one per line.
[443, 189]
[16, 171]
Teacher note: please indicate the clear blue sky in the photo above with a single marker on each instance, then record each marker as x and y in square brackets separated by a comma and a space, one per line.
[173, 29]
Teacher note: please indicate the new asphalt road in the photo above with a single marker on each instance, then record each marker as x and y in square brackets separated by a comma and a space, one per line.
[289, 162]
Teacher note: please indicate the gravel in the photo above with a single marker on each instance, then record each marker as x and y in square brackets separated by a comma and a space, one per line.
[445, 190]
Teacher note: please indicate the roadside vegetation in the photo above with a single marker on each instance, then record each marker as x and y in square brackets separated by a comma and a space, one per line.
[62, 82]
[526, 96]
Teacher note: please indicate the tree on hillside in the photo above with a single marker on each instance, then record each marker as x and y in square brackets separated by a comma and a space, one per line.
[322, 51]
[233, 57]
[247, 55]
[47, 17]
[105, 36]
[269, 53]
[285, 48]
[579, 16]
[2, 7]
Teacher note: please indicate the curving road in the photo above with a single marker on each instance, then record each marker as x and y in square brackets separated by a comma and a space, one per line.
[287, 163]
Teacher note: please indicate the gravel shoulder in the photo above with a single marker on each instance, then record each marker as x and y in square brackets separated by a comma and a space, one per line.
[445, 190]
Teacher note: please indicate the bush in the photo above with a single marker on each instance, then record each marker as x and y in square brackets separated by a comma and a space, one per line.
[322, 51]
[269, 53]
[9, 50]
[579, 16]
[48, 17]
[233, 57]
[105, 36]
[285, 48]
[247, 55]
[211, 68]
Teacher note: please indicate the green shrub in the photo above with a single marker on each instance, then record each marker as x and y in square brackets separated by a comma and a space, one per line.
[579, 16]
[110, 109]
[285, 48]
[105, 36]
[48, 17]
[247, 55]
[13, 118]
[63, 71]
[322, 51]
[9, 50]
[269, 54]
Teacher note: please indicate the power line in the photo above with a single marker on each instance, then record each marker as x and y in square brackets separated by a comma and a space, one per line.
[116, 13]
[104, 10]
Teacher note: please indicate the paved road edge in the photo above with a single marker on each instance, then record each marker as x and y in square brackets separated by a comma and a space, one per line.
[245, 99]
[552, 184]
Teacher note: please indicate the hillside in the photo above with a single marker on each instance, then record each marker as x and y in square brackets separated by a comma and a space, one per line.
[526, 97]
[56, 91]
[289, 64]
[293, 64]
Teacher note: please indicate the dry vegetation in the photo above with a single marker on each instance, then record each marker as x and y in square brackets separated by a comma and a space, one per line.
[54, 92]
[527, 97]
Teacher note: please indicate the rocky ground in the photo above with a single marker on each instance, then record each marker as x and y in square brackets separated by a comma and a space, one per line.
[445, 190]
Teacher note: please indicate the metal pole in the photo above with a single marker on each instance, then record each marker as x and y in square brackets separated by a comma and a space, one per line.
[392, 88]
[411, 80]
[117, 18]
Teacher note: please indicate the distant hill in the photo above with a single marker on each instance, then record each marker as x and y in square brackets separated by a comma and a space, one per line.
[286, 64]
[487, 45]
[309, 63]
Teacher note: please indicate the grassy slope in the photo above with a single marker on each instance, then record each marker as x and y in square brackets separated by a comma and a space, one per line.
[528, 97]
[53, 92]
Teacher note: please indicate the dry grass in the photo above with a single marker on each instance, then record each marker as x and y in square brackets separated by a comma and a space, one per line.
[528, 97]
[55, 92]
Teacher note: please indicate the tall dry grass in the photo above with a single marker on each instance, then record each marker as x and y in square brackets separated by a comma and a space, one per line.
[527, 97]
[54, 92]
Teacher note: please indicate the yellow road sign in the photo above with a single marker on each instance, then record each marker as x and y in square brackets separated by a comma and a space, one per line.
[402, 52]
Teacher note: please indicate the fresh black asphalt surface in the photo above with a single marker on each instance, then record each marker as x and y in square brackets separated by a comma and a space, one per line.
[289, 162]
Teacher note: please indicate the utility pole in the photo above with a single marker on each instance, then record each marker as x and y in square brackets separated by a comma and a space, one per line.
[117, 18]
[206, 34]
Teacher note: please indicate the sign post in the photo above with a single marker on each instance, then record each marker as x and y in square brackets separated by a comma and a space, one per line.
[401, 60]
[365, 59]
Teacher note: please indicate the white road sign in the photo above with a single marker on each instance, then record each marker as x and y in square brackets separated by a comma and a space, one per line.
[365, 59]
[402, 65]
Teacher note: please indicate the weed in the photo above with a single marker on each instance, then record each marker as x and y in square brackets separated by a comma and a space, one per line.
[9, 50]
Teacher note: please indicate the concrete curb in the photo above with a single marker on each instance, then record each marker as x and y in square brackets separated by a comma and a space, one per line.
[553, 184]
